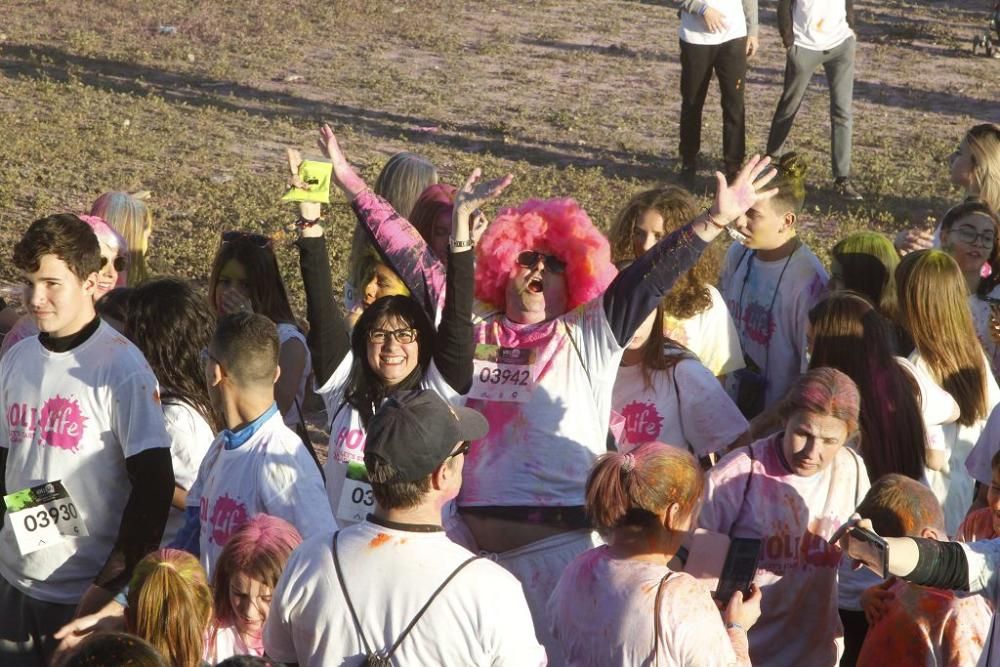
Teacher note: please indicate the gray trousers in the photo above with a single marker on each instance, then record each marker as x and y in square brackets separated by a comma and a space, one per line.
[27, 626]
[800, 64]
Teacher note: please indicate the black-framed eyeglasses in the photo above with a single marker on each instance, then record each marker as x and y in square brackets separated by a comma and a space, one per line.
[120, 263]
[463, 450]
[402, 336]
[529, 259]
[970, 236]
[258, 240]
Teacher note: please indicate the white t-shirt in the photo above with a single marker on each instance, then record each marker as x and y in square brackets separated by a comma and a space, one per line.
[711, 334]
[980, 310]
[287, 332]
[480, 618]
[224, 643]
[102, 405]
[776, 344]
[984, 565]
[794, 517]
[978, 462]
[271, 473]
[820, 25]
[686, 407]
[347, 435]
[954, 486]
[694, 30]
[190, 437]
[543, 441]
[602, 613]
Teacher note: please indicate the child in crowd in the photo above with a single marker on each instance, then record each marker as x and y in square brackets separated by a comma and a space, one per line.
[257, 464]
[984, 523]
[621, 604]
[245, 577]
[171, 324]
[770, 281]
[245, 278]
[694, 313]
[82, 434]
[912, 625]
[170, 605]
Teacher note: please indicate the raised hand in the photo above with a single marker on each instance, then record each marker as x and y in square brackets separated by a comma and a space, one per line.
[294, 161]
[344, 175]
[734, 199]
[468, 199]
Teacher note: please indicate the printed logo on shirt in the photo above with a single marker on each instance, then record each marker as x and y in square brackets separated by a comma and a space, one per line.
[784, 552]
[642, 422]
[227, 517]
[349, 445]
[757, 323]
[60, 420]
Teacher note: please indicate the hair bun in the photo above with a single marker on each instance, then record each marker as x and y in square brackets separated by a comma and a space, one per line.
[792, 166]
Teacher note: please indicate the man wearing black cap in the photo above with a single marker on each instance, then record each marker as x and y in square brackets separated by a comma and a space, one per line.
[363, 592]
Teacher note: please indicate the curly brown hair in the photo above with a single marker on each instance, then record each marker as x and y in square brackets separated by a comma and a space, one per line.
[677, 206]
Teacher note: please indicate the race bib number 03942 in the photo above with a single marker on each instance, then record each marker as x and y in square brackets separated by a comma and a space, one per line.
[42, 516]
[503, 374]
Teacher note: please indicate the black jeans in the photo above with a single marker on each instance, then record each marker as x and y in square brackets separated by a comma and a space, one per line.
[729, 62]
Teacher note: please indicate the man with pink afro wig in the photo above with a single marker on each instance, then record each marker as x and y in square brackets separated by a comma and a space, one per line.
[546, 360]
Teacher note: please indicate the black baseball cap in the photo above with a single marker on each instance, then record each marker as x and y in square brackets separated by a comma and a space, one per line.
[415, 431]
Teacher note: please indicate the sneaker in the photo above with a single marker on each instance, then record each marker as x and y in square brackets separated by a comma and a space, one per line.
[687, 177]
[843, 187]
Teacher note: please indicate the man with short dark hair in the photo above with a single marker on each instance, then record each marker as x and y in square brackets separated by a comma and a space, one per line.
[357, 594]
[257, 465]
[84, 454]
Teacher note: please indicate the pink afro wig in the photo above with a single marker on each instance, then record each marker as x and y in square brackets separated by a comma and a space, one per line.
[558, 226]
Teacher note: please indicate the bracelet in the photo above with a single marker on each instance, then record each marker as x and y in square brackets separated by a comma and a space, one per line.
[736, 626]
[708, 214]
[302, 223]
[453, 244]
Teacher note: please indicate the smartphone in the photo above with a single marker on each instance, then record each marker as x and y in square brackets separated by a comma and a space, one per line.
[739, 569]
[870, 549]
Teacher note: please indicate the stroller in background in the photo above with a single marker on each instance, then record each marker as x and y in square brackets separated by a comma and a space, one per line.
[989, 43]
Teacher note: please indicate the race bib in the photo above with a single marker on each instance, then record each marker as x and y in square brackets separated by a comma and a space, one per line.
[503, 374]
[42, 516]
[356, 499]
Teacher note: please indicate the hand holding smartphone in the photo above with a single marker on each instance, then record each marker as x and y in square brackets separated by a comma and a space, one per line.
[864, 546]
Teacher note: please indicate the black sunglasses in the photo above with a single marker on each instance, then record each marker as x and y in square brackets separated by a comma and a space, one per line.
[120, 263]
[464, 450]
[529, 259]
[257, 239]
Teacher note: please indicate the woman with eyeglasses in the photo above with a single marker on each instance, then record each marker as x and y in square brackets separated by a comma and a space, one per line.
[392, 346]
[113, 273]
[245, 277]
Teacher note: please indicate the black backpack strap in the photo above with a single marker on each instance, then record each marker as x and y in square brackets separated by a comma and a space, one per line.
[379, 657]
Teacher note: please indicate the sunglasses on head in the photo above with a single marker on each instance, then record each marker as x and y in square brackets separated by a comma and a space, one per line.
[463, 449]
[529, 259]
[257, 239]
[120, 263]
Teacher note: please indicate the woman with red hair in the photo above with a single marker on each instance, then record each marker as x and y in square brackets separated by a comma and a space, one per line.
[791, 491]
[546, 360]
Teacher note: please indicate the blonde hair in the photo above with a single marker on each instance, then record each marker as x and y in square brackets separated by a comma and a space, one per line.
[170, 605]
[129, 216]
[934, 309]
[984, 145]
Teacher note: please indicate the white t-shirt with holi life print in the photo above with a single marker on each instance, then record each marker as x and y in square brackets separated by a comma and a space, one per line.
[346, 481]
[271, 473]
[770, 303]
[74, 416]
[954, 486]
[686, 406]
[602, 613]
[545, 390]
[711, 334]
[480, 618]
[794, 517]
[190, 438]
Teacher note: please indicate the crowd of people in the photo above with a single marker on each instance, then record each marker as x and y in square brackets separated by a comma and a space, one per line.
[546, 445]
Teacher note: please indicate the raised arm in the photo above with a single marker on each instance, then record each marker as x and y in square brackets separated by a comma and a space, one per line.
[396, 239]
[455, 346]
[635, 292]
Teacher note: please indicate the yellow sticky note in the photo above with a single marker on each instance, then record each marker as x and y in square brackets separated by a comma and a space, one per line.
[316, 175]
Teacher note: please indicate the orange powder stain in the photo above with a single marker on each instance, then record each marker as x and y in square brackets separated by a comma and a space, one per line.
[378, 540]
[156, 396]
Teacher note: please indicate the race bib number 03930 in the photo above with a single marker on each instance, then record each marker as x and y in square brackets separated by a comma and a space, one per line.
[356, 499]
[503, 374]
[42, 516]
